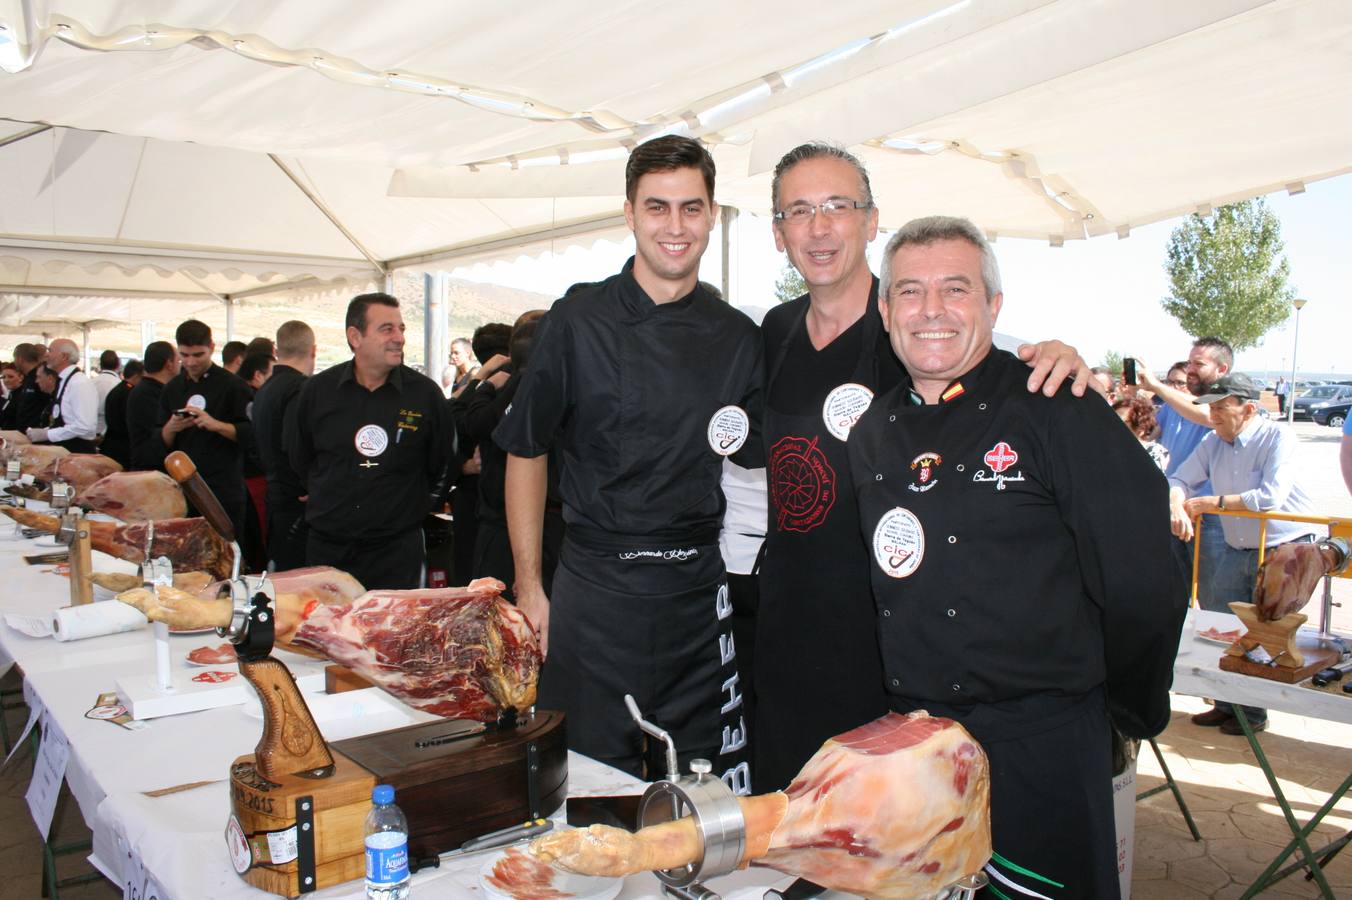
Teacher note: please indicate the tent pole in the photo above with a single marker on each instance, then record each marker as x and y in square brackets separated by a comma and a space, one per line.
[436, 290]
[84, 345]
[329, 214]
[147, 334]
[229, 318]
[728, 218]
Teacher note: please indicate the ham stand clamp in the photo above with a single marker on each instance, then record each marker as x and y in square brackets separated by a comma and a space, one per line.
[711, 803]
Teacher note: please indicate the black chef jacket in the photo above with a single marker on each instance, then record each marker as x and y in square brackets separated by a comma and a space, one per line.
[219, 460]
[269, 415]
[1028, 552]
[623, 390]
[406, 436]
[226, 398]
[115, 443]
[143, 426]
[32, 403]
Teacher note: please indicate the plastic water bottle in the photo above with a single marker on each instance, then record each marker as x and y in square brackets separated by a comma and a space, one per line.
[386, 847]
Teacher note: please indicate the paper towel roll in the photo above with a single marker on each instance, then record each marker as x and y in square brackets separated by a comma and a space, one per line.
[75, 623]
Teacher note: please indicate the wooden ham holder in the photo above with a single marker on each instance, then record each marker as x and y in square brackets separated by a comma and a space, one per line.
[1295, 656]
[298, 806]
[74, 533]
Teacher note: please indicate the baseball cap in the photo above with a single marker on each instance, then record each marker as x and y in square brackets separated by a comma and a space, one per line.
[1235, 385]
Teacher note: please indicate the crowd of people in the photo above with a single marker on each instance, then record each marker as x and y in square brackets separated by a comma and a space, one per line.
[767, 535]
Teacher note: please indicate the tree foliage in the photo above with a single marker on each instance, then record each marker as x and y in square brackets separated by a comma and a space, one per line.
[790, 284]
[1112, 361]
[1228, 274]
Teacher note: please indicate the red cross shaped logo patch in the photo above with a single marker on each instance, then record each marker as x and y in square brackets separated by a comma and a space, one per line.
[1000, 457]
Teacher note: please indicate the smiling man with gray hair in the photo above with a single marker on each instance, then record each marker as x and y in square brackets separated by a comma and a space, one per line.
[1018, 590]
[75, 404]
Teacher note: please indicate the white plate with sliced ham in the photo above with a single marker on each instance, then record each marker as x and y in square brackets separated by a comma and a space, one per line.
[1214, 635]
[219, 655]
[513, 874]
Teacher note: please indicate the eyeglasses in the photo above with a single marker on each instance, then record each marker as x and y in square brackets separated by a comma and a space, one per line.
[835, 208]
[1177, 382]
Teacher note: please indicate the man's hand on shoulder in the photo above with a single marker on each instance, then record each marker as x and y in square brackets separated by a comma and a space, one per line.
[1052, 363]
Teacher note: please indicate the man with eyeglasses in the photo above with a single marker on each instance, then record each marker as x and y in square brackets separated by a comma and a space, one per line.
[817, 667]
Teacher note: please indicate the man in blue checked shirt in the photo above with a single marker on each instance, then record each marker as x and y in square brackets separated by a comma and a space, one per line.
[1251, 466]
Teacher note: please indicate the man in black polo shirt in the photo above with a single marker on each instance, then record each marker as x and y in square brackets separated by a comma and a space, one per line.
[641, 385]
[286, 510]
[204, 413]
[146, 446]
[372, 439]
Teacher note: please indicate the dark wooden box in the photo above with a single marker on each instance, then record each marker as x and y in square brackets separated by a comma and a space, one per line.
[453, 788]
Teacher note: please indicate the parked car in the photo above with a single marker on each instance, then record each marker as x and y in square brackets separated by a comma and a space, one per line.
[1334, 414]
[1320, 397]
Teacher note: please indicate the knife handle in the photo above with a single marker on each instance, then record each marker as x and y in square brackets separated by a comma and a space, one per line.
[184, 471]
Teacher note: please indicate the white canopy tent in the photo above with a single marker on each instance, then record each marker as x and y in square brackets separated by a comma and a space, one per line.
[214, 151]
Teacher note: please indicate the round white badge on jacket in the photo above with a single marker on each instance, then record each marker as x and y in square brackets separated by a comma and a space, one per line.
[898, 542]
[728, 430]
[843, 407]
[372, 440]
[197, 401]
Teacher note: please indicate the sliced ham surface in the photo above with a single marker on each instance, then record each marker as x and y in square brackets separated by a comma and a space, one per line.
[462, 653]
[78, 469]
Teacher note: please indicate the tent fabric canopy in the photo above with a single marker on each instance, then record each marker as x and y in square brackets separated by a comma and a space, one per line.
[184, 148]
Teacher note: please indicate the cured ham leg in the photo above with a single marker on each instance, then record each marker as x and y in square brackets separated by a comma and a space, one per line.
[79, 469]
[190, 544]
[1289, 575]
[34, 458]
[897, 808]
[462, 653]
[135, 496]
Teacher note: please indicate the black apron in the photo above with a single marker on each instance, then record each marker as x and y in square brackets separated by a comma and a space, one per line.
[74, 445]
[652, 620]
[818, 669]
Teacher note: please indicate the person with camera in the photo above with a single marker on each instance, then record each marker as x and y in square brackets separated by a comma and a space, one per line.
[204, 413]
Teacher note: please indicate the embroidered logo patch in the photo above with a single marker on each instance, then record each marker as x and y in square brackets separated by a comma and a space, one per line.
[1000, 458]
[924, 470]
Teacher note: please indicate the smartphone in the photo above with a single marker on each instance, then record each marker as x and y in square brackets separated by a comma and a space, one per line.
[182, 413]
[1129, 370]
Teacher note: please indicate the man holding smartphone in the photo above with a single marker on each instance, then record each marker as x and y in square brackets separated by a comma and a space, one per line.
[203, 410]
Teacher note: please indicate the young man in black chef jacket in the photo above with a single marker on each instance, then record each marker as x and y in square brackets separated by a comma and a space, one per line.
[641, 385]
[204, 413]
[1007, 570]
[372, 439]
[817, 672]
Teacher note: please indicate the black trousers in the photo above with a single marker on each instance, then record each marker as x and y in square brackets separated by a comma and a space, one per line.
[493, 552]
[287, 534]
[1051, 803]
[391, 563]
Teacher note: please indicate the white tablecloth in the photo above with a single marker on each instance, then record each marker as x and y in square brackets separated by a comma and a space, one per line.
[1197, 672]
[174, 844]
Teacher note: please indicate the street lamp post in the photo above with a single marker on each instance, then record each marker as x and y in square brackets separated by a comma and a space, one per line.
[1295, 343]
